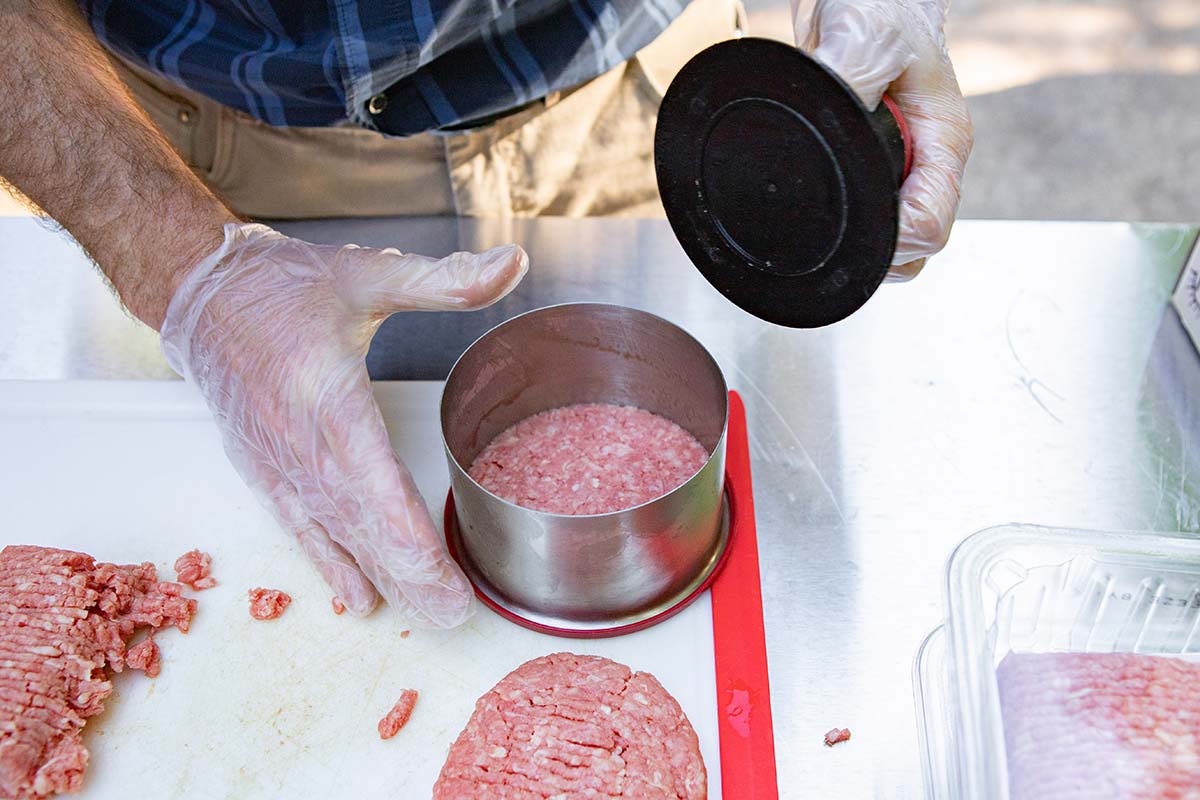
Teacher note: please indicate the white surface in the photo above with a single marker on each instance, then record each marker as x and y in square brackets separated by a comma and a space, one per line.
[131, 471]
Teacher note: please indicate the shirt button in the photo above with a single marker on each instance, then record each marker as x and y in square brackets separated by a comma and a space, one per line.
[185, 116]
[377, 104]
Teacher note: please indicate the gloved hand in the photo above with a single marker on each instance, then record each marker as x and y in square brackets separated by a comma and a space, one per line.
[274, 332]
[898, 46]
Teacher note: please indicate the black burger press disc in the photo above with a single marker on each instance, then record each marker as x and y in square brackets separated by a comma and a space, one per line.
[781, 186]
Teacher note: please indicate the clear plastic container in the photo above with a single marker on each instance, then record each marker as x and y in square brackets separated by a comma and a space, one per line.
[1029, 589]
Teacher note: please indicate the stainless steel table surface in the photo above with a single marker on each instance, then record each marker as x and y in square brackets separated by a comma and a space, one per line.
[1033, 373]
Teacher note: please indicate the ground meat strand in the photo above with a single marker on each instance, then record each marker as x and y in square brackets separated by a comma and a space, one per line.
[836, 736]
[588, 459]
[193, 568]
[396, 719]
[268, 604]
[65, 620]
[338, 605]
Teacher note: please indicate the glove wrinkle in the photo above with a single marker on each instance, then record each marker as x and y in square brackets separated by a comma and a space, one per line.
[389, 503]
[273, 331]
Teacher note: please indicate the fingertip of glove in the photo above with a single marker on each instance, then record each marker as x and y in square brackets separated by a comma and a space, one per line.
[356, 594]
[360, 606]
[501, 269]
[904, 272]
[457, 617]
[509, 257]
[443, 603]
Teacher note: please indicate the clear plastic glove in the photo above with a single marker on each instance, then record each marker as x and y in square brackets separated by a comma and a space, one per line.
[898, 46]
[274, 332]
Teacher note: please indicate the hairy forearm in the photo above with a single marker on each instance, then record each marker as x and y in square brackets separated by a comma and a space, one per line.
[75, 142]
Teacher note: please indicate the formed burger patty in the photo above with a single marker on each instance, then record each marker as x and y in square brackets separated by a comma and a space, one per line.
[566, 726]
[588, 459]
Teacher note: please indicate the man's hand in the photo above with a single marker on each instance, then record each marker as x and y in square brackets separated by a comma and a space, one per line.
[75, 142]
[898, 46]
[274, 332]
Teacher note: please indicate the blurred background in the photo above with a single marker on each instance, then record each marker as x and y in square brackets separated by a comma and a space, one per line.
[1083, 109]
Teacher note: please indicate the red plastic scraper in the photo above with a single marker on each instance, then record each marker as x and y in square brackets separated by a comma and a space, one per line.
[743, 687]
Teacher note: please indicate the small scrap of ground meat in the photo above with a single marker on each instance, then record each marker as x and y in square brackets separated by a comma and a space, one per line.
[65, 621]
[193, 568]
[566, 725]
[404, 634]
[338, 605]
[144, 656]
[588, 459]
[836, 736]
[395, 719]
[268, 603]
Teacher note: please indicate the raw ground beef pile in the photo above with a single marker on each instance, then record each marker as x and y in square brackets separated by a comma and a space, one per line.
[1080, 725]
[64, 618]
[588, 459]
[566, 725]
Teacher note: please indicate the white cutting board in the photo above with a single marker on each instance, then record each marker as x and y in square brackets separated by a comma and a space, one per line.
[134, 471]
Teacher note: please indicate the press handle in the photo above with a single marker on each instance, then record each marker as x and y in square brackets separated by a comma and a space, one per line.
[891, 123]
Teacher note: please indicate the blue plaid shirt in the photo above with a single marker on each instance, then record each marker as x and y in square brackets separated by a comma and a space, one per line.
[320, 62]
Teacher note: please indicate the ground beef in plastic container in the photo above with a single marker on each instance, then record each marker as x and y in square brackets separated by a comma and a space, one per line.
[194, 568]
[268, 604]
[396, 719]
[1091, 725]
[588, 459]
[567, 725]
[65, 620]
